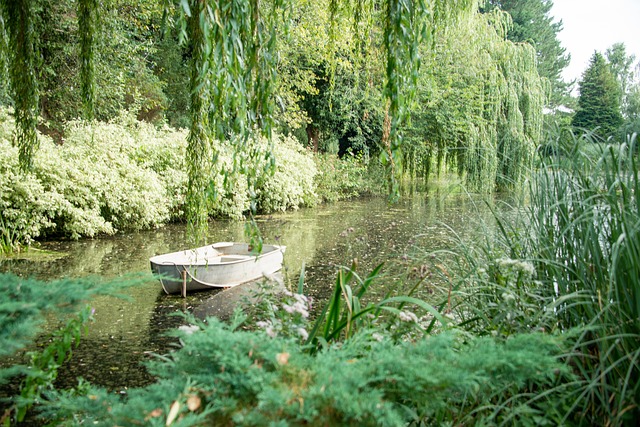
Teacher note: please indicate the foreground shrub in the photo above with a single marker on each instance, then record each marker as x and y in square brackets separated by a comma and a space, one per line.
[27, 306]
[248, 378]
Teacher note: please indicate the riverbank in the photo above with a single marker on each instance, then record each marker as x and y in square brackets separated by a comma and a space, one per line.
[128, 175]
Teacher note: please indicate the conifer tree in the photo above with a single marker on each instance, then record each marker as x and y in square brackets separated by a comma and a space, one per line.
[599, 101]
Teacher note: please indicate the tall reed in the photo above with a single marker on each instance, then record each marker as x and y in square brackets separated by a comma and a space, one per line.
[569, 263]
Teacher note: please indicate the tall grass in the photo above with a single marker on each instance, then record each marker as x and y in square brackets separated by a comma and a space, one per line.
[570, 264]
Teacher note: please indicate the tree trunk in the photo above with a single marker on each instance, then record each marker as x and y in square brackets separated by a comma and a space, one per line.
[313, 135]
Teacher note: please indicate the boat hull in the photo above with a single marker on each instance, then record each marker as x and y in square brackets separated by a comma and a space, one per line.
[220, 265]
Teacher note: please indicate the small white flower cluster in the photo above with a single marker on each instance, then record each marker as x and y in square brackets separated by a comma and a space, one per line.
[508, 296]
[524, 267]
[268, 327]
[300, 305]
[189, 329]
[288, 324]
[408, 316]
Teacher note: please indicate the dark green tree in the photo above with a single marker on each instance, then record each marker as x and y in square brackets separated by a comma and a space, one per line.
[599, 101]
[532, 23]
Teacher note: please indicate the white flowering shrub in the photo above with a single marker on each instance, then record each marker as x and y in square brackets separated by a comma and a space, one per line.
[23, 212]
[292, 184]
[101, 179]
[127, 174]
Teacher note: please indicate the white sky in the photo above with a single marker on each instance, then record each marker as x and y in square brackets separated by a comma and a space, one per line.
[591, 25]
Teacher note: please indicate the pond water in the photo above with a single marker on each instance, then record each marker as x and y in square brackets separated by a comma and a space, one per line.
[128, 331]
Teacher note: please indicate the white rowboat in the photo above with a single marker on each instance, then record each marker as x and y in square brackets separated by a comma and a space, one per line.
[220, 265]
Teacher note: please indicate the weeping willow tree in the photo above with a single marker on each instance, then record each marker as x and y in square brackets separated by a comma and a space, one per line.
[19, 18]
[480, 106]
[17, 25]
[234, 53]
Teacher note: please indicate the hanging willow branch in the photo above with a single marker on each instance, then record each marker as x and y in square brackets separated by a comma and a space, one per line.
[233, 48]
[87, 17]
[409, 24]
[199, 155]
[4, 53]
[20, 18]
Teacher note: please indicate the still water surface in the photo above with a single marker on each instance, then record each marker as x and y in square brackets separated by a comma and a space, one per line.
[126, 332]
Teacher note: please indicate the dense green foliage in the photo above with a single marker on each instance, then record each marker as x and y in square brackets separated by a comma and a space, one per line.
[626, 71]
[363, 382]
[479, 107]
[599, 102]
[128, 174]
[330, 66]
[533, 24]
[25, 308]
[367, 376]
[566, 264]
[569, 260]
[21, 51]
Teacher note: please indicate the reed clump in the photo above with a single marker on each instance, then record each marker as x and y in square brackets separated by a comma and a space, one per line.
[569, 264]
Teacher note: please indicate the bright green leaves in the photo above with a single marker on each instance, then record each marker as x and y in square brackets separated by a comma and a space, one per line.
[479, 106]
[20, 18]
[405, 30]
[409, 24]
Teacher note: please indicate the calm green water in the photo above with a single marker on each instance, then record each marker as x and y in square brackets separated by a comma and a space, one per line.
[126, 332]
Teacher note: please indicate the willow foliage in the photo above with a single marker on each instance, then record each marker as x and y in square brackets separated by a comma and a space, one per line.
[19, 22]
[480, 105]
[233, 48]
[87, 18]
[233, 75]
[234, 54]
[408, 25]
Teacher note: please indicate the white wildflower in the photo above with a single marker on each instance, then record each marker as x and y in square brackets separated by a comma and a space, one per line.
[508, 296]
[297, 307]
[407, 316]
[269, 331]
[268, 327]
[527, 268]
[302, 299]
[303, 333]
[376, 336]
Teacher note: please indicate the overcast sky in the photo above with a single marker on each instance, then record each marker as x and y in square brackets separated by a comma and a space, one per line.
[591, 25]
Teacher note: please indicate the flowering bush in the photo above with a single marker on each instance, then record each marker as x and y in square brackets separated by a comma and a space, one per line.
[292, 183]
[284, 316]
[127, 174]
